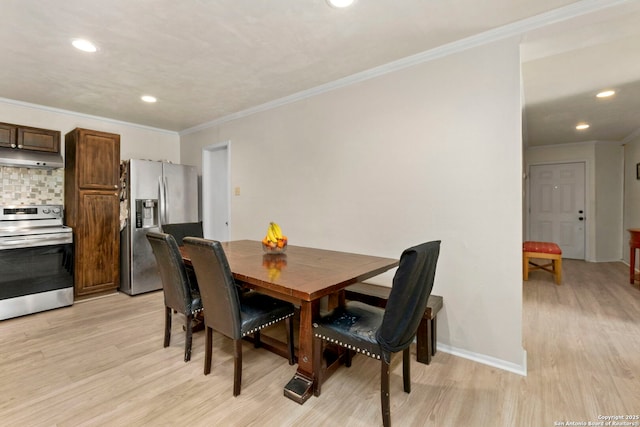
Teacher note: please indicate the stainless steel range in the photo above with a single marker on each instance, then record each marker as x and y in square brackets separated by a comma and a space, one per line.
[36, 260]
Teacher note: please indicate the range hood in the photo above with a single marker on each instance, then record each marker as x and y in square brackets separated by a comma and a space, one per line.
[30, 159]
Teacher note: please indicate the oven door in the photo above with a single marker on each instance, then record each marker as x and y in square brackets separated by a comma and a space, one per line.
[35, 278]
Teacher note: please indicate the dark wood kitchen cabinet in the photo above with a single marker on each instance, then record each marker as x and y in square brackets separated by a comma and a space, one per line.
[92, 209]
[29, 138]
[8, 135]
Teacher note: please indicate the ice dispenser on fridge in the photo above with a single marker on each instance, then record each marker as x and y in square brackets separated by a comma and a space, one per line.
[146, 213]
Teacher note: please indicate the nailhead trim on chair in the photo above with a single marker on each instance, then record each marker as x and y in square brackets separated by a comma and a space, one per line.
[197, 311]
[349, 346]
[265, 325]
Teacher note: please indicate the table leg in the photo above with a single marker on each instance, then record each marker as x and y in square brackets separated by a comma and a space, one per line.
[300, 387]
[632, 265]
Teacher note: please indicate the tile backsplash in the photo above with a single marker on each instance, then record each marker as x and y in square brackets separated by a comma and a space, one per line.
[27, 186]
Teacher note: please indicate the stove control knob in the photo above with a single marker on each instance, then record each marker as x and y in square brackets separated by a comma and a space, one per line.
[45, 210]
[56, 211]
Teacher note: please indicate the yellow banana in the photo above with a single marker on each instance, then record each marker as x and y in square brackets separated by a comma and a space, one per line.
[271, 235]
[276, 230]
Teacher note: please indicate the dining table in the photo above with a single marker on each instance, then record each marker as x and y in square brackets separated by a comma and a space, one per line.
[303, 276]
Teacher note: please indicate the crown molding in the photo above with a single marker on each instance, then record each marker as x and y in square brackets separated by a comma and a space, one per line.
[562, 145]
[514, 29]
[632, 136]
[82, 115]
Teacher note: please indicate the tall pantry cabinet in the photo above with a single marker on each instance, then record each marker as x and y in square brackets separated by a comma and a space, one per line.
[92, 209]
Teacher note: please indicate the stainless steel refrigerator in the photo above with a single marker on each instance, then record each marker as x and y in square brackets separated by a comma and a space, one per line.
[156, 193]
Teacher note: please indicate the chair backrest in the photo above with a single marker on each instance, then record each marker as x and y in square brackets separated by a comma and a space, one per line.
[410, 292]
[181, 230]
[218, 290]
[175, 282]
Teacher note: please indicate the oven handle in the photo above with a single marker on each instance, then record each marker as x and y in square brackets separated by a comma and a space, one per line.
[32, 241]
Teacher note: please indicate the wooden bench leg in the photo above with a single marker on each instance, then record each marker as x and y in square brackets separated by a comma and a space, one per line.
[424, 337]
[525, 267]
[557, 269]
[427, 337]
[434, 335]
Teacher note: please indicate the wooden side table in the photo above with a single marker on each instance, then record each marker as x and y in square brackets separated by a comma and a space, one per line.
[634, 243]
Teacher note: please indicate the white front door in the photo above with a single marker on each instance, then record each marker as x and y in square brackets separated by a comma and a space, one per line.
[216, 191]
[557, 206]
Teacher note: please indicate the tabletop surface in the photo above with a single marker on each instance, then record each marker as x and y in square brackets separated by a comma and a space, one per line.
[300, 273]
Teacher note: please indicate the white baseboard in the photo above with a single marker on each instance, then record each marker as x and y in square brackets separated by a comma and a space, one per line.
[520, 369]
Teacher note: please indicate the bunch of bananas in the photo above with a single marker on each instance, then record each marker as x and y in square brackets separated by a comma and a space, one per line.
[274, 239]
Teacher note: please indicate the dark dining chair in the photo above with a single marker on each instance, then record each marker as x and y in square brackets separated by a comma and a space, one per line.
[180, 294]
[179, 231]
[183, 229]
[227, 309]
[377, 332]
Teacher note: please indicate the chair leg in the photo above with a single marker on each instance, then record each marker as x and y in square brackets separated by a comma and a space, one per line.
[288, 323]
[406, 369]
[347, 358]
[256, 339]
[167, 326]
[317, 365]
[188, 339]
[207, 350]
[384, 394]
[237, 367]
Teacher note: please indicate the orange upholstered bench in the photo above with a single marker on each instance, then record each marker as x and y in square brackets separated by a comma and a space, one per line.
[542, 250]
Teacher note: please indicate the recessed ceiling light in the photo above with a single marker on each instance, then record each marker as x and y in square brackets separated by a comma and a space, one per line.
[148, 98]
[606, 93]
[84, 45]
[340, 3]
[582, 126]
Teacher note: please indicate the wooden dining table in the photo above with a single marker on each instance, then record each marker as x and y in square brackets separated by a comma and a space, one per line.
[302, 276]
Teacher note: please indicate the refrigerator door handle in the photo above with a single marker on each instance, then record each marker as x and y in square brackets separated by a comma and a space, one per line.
[165, 186]
[163, 201]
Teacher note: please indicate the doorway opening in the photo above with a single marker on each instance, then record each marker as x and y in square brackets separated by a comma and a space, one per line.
[216, 191]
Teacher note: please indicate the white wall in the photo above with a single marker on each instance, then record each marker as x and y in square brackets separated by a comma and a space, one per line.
[631, 192]
[609, 200]
[428, 152]
[135, 141]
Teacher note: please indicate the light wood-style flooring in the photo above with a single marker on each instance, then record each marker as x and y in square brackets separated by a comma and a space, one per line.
[101, 362]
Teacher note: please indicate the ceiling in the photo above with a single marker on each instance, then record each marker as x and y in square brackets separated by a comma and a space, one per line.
[205, 60]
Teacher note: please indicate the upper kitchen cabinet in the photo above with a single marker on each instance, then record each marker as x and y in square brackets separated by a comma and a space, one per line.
[7, 135]
[100, 154]
[29, 138]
